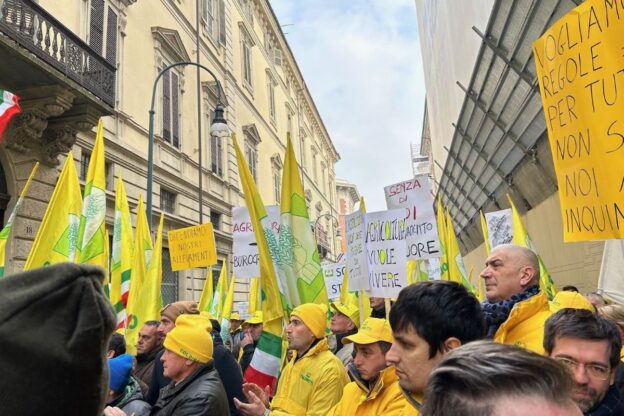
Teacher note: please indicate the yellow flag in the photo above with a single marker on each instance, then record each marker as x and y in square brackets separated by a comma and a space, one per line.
[229, 300]
[4, 234]
[57, 235]
[442, 235]
[456, 268]
[218, 298]
[142, 253]
[206, 296]
[486, 235]
[254, 296]
[92, 230]
[121, 262]
[521, 238]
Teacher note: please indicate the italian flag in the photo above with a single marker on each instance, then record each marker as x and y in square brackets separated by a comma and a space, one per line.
[9, 106]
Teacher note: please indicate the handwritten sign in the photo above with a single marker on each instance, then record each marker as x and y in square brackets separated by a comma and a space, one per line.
[386, 252]
[414, 197]
[192, 247]
[580, 68]
[499, 227]
[245, 258]
[357, 264]
[333, 273]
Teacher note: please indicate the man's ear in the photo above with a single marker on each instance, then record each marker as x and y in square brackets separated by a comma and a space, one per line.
[450, 344]
[527, 274]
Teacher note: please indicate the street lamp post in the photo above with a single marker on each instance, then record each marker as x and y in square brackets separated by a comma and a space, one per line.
[336, 226]
[218, 128]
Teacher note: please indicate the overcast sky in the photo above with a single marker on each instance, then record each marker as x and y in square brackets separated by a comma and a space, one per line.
[362, 64]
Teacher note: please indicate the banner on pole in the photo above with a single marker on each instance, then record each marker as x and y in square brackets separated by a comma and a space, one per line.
[333, 273]
[579, 63]
[421, 231]
[192, 247]
[245, 258]
[357, 261]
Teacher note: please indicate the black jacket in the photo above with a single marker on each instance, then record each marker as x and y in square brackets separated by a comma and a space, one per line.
[131, 401]
[248, 352]
[200, 394]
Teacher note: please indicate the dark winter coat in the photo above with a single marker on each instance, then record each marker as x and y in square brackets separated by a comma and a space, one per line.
[131, 401]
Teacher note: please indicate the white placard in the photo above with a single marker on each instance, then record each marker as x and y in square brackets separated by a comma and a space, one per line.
[386, 252]
[245, 258]
[414, 197]
[333, 273]
[500, 227]
[357, 264]
[433, 268]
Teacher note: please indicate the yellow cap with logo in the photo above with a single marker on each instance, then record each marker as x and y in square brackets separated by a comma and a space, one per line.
[350, 311]
[254, 319]
[371, 331]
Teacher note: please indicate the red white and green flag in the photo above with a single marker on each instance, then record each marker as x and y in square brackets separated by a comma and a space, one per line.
[9, 106]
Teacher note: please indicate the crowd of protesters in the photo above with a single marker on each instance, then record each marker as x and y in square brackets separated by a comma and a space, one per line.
[437, 351]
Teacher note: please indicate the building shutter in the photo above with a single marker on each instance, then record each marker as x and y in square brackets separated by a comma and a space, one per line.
[222, 22]
[175, 110]
[166, 107]
[111, 37]
[96, 25]
[277, 56]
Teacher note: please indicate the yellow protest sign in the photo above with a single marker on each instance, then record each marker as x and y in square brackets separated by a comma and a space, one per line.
[580, 68]
[192, 247]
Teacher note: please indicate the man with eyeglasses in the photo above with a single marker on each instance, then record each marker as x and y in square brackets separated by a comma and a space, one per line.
[589, 346]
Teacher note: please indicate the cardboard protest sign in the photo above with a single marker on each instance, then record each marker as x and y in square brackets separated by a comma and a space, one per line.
[192, 247]
[499, 227]
[333, 273]
[386, 252]
[245, 258]
[357, 262]
[580, 68]
[421, 234]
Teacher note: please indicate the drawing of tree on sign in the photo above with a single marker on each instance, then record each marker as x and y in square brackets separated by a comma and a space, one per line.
[499, 227]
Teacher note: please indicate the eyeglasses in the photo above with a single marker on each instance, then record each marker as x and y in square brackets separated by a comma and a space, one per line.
[598, 371]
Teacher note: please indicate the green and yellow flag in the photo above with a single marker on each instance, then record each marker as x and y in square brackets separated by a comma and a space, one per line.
[227, 312]
[255, 302]
[57, 237]
[218, 298]
[486, 234]
[456, 268]
[299, 264]
[442, 234]
[522, 238]
[141, 256]
[92, 228]
[265, 364]
[205, 300]
[4, 234]
[123, 246]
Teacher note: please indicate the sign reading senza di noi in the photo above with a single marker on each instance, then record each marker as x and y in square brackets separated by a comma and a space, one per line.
[192, 247]
[421, 231]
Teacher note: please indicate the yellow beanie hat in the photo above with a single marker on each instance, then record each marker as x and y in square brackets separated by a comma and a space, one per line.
[314, 316]
[191, 338]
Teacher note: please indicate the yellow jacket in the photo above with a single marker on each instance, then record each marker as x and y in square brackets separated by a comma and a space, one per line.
[385, 398]
[311, 385]
[525, 325]
[412, 404]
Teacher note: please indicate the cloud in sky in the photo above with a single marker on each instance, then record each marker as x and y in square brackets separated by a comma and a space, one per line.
[362, 64]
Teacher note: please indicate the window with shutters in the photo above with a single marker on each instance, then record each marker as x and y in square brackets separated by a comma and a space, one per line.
[209, 18]
[215, 219]
[314, 163]
[85, 158]
[171, 108]
[167, 201]
[304, 159]
[169, 284]
[276, 167]
[246, 57]
[251, 154]
[247, 7]
[271, 95]
[103, 32]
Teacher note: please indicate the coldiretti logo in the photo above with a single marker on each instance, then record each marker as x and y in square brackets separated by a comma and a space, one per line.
[365, 325]
[307, 377]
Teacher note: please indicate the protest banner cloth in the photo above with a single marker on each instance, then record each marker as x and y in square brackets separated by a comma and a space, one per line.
[421, 231]
[579, 64]
[192, 247]
[245, 257]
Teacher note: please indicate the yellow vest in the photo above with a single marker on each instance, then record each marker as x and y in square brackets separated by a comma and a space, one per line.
[384, 398]
[311, 385]
[525, 325]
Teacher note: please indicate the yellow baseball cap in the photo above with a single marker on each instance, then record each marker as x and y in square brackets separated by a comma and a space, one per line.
[575, 300]
[350, 311]
[254, 319]
[235, 316]
[372, 330]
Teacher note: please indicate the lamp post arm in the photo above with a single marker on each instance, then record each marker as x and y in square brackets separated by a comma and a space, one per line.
[150, 144]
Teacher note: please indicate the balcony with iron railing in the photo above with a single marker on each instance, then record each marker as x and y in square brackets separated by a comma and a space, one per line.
[37, 31]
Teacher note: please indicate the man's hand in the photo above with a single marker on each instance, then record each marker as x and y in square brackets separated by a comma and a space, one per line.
[114, 411]
[247, 339]
[255, 407]
[263, 395]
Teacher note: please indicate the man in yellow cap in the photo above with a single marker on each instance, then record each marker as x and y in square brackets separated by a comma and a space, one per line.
[375, 389]
[196, 388]
[253, 330]
[345, 322]
[312, 381]
[236, 333]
